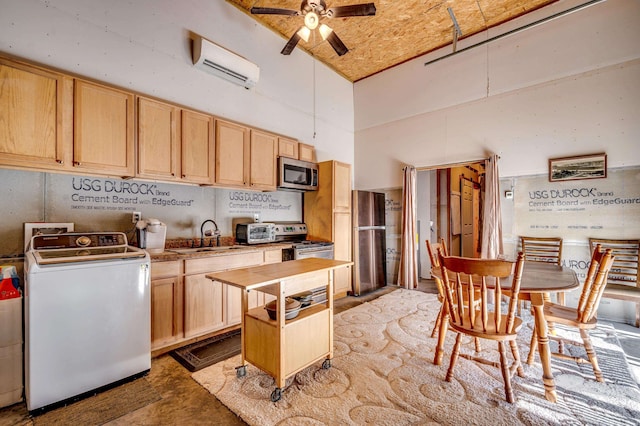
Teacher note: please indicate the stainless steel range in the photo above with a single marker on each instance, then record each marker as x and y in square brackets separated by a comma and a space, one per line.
[296, 233]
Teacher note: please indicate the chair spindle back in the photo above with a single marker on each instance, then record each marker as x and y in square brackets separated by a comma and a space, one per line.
[466, 278]
[538, 249]
[594, 284]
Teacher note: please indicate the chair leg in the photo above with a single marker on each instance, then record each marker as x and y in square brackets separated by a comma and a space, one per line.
[454, 357]
[591, 353]
[506, 376]
[477, 343]
[437, 325]
[516, 357]
[442, 333]
[552, 329]
[533, 346]
[638, 314]
[552, 332]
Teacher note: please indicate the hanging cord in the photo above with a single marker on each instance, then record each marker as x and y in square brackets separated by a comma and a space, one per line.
[314, 98]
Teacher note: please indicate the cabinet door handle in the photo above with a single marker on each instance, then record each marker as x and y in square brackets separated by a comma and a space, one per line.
[76, 163]
[59, 161]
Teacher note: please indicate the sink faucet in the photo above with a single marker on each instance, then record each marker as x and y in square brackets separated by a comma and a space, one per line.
[216, 232]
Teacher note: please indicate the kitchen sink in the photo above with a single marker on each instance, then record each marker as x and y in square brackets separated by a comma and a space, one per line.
[204, 249]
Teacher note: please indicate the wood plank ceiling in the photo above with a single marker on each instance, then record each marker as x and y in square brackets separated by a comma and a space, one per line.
[401, 29]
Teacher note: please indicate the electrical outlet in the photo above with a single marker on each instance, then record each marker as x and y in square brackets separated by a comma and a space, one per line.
[135, 217]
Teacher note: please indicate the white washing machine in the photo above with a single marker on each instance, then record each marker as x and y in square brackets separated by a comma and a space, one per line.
[87, 316]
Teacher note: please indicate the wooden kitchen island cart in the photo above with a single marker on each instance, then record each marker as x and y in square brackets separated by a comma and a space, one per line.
[283, 347]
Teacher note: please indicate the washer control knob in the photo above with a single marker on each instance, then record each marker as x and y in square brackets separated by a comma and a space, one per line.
[83, 241]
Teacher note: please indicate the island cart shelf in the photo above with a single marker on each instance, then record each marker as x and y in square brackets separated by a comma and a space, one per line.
[282, 347]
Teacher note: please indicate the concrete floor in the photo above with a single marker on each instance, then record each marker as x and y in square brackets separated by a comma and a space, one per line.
[185, 402]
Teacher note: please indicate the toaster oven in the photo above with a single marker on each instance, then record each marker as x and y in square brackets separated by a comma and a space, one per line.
[255, 233]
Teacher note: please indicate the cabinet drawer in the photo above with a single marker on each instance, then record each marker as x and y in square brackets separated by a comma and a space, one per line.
[273, 256]
[307, 282]
[221, 263]
[165, 269]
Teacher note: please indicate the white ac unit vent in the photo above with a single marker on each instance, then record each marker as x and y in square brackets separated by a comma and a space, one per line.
[219, 61]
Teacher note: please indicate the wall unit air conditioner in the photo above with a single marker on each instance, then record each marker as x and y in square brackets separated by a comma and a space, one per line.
[219, 61]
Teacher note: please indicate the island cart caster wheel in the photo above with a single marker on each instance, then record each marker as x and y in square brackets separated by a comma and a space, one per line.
[326, 364]
[276, 395]
[241, 371]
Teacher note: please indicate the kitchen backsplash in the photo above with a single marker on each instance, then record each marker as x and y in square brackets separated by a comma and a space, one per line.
[107, 204]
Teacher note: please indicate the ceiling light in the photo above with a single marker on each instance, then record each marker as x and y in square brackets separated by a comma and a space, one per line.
[311, 20]
[325, 30]
[304, 33]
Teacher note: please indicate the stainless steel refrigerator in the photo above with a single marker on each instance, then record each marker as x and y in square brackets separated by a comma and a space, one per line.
[369, 242]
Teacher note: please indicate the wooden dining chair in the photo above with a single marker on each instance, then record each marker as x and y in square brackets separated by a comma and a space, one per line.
[548, 249]
[582, 317]
[623, 282]
[432, 249]
[488, 278]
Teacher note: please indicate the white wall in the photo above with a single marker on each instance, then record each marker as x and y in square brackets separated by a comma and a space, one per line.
[144, 45]
[567, 87]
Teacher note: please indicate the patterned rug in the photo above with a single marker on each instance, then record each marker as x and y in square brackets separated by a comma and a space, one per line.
[383, 374]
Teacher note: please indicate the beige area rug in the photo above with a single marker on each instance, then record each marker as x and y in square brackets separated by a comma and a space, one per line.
[383, 374]
[103, 407]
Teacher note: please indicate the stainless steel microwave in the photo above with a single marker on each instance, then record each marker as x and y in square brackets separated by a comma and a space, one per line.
[296, 175]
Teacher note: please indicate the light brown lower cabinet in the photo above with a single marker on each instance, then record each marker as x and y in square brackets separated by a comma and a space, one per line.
[185, 305]
[167, 302]
[205, 300]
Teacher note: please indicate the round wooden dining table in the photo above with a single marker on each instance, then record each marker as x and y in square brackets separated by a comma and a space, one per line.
[539, 279]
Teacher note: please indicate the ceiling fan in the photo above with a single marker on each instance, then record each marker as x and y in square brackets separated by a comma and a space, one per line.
[314, 11]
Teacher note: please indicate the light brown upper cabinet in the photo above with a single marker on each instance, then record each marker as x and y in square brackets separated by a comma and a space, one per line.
[35, 117]
[174, 144]
[287, 148]
[103, 130]
[264, 151]
[245, 157]
[198, 148]
[306, 152]
[158, 140]
[232, 154]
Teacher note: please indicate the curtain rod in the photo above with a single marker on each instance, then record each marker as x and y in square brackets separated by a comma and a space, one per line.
[517, 30]
[449, 165]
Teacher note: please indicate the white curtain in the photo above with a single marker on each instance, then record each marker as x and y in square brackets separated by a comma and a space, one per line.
[492, 217]
[408, 273]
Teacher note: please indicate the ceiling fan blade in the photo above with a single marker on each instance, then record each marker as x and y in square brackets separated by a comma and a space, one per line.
[364, 9]
[291, 44]
[337, 44]
[273, 11]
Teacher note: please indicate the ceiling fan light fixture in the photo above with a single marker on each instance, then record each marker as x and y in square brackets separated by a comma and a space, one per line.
[325, 30]
[304, 33]
[311, 20]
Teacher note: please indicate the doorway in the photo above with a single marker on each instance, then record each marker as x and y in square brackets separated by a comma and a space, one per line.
[450, 200]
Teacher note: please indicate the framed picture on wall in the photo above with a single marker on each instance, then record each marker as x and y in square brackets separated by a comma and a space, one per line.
[592, 166]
